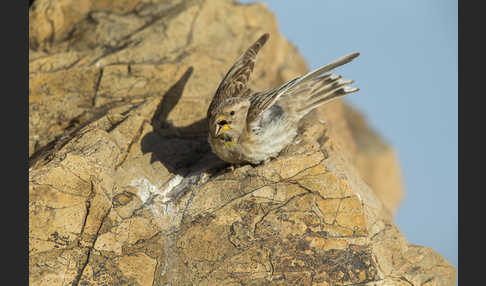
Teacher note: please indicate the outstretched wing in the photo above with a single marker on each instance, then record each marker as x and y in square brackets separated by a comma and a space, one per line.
[237, 77]
[311, 83]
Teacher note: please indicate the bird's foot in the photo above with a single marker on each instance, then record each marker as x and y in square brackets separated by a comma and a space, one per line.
[261, 163]
[232, 167]
[269, 159]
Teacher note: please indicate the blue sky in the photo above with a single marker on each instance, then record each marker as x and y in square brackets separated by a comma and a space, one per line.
[407, 75]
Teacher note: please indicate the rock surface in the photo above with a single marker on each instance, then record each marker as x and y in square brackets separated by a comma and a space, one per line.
[125, 191]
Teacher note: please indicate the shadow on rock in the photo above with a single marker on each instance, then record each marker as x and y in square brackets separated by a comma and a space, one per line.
[179, 149]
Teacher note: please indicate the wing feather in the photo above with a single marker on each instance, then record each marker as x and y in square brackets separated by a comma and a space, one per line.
[309, 83]
[237, 77]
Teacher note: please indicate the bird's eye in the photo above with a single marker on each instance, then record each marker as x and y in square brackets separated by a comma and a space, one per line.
[232, 112]
[222, 122]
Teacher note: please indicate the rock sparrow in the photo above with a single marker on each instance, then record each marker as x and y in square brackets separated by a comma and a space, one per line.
[249, 126]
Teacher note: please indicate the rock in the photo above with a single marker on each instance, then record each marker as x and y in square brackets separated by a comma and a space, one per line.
[375, 160]
[123, 187]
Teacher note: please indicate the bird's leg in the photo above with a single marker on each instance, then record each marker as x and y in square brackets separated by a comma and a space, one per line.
[232, 167]
[261, 163]
[268, 160]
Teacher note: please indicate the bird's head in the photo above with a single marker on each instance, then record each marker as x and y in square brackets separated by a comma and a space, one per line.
[228, 120]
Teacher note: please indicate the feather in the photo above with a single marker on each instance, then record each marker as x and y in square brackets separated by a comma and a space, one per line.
[237, 77]
[312, 83]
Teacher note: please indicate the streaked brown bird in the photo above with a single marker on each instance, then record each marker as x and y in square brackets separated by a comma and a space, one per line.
[248, 126]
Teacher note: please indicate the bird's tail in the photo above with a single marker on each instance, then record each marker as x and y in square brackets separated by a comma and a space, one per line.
[325, 89]
[316, 88]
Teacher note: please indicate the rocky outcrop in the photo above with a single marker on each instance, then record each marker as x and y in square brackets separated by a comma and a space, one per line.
[123, 188]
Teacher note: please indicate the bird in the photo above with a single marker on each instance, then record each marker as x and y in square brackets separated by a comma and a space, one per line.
[247, 126]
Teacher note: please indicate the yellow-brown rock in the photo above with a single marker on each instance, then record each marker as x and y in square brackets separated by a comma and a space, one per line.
[125, 191]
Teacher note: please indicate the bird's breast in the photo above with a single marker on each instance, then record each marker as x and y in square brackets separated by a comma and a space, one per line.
[256, 146]
[268, 141]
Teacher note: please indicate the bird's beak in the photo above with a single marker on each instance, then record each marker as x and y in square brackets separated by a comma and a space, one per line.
[218, 129]
[221, 129]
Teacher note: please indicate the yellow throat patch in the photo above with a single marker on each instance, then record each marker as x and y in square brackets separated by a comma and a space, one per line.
[230, 143]
[225, 128]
